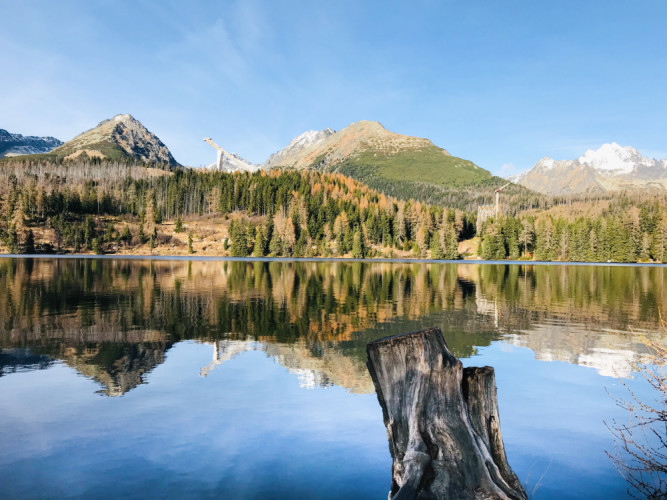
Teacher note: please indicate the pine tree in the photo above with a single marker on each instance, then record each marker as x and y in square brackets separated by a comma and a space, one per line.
[436, 246]
[659, 248]
[141, 234]
[646, 244]
[348, 239]
[358, 246]
[493, 246]
[89, 231]
[239, 236]
[544, 240]
[301, 245]
[450, 243]
[593, 253]
[178, 227]
[12, 239]
[275, 246]
[527, 235]
[259, 247]
[96, 246]
[510, 230]
[126, 235]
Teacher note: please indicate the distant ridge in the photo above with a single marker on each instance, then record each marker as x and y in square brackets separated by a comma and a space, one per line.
[399, 165]
[17, 144]
[610, 168]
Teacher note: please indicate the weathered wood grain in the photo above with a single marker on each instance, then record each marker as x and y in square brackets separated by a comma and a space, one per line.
[442, 421]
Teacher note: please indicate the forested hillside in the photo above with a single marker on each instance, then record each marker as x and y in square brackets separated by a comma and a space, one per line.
[626, 227]
[108, 206]
[102, 206]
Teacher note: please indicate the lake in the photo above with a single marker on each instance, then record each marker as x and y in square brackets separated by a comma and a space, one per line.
[148, 378]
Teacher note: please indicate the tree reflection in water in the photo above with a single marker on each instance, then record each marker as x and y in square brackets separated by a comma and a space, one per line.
[114, 320]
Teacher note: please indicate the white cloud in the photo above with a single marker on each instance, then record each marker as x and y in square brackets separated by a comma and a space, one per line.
[508, 169]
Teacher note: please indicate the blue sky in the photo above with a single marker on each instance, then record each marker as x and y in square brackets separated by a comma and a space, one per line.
[499, 83]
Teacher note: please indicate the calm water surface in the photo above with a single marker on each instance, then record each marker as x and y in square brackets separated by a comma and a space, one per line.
[148, 379]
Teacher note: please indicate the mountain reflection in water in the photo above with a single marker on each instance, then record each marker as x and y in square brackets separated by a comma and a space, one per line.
[114, 320]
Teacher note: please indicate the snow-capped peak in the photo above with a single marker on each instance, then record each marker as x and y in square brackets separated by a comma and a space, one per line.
[300, 143]
[309, 137]
[546, 163]
[613, 158]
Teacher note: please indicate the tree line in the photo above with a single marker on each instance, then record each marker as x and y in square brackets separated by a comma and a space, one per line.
[630, 229]
[281, 213]
[93, 205]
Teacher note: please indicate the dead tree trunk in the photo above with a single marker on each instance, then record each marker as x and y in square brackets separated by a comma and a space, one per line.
[442, 421]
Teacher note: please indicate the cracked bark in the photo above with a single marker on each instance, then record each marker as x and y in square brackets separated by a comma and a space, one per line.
[442, 421]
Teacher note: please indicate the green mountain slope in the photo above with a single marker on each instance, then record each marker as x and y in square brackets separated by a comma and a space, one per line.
[399, 165]
[429, 165]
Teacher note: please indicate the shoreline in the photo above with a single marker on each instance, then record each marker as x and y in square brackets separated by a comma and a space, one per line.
[325, 259]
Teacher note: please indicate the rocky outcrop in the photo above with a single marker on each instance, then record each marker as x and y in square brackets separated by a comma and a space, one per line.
[17, 144]
[290, 156]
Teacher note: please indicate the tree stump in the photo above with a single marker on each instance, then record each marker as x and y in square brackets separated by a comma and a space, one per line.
[442, 421]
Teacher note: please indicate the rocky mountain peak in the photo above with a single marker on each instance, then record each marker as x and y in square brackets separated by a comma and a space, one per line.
[546, 163]
[119, 118]
[611, 167]
[613, 158]
[310, 137]
[291, 154]
[116, 137]
[368, 126]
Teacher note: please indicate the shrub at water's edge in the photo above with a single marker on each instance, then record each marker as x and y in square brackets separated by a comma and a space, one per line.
[640, 445]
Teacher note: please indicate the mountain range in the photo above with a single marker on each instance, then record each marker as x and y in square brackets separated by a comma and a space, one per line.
[368, 152]
[400, 165]
[609, 168]
[119, 138]
[396, 164]
[17, 144]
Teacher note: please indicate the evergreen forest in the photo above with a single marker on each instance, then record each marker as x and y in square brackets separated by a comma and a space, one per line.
[103, 206]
